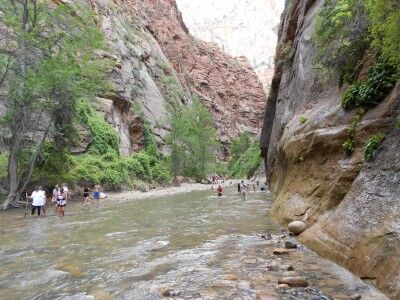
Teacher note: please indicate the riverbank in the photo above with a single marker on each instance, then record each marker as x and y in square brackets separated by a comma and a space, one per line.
[166, 191]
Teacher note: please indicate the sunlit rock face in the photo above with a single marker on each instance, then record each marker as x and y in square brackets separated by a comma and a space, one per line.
[351, 207]
[240, 27]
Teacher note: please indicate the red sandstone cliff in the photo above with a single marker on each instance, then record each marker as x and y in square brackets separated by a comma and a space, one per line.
[227, 86]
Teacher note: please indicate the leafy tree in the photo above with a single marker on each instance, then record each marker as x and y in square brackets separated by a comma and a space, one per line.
[192, 141]
[385, 28]
[248, 162]
[341, 35]
[49, 52]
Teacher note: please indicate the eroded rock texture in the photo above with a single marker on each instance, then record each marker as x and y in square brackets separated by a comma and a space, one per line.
[351, 208]
[157, 61]
[227, 86]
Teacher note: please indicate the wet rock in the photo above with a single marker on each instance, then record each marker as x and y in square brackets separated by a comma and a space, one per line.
[274, 266]
[283, 236]
[164, 291]
[355, 297]
[280, 251]
[283, 286]
[232, 277]
[267, 237]
[294, 281]
[290, 245]
[297, 227]
[101, 295]
[71, 268]
[287, 268]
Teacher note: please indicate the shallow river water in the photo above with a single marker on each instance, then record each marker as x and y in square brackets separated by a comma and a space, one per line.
[191, 246]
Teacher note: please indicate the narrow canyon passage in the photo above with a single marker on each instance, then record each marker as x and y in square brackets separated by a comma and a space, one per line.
[187, 246]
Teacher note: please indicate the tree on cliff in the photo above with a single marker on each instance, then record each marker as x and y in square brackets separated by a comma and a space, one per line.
[193, 141]
[48, 55]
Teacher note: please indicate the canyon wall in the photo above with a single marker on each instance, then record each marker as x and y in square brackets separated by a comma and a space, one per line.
[351, 207]
[240, 27]
[158, 62]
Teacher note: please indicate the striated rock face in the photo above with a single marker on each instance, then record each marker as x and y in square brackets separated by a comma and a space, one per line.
[155, 57]
[241, 27]
[351, 208]
[227, 86]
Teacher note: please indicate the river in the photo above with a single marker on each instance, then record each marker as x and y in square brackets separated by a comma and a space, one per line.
[191, 246]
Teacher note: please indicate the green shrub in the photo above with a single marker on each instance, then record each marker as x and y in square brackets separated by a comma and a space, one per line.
[385, 28]
[381, 79]
[162, 171]
[348, 146]
[302, 120]
[372, 145]
[248, 163]
[105, 138]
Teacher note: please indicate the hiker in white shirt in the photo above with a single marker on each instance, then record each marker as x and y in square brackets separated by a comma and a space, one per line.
[38, 197]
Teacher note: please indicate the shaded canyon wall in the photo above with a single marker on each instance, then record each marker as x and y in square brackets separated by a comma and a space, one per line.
[351, 207]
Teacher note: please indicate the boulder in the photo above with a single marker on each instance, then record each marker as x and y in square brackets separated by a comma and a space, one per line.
[297, 227]
[293, 281]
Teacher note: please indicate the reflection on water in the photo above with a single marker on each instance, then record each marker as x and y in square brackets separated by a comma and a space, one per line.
[195, 246]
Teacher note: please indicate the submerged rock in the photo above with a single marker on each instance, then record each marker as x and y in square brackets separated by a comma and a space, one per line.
[71, 268]
[297, 227]
[280, 251]
[293, 281]
[290, 245]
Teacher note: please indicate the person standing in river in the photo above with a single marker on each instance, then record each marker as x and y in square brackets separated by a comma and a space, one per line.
[243, 190]
[61, 202]
[37, 200]
[219, 190]
[96, 193]
[86, 195]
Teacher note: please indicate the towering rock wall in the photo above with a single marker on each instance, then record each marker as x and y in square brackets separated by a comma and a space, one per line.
[351, 207]
[157, 60]
[227, 86]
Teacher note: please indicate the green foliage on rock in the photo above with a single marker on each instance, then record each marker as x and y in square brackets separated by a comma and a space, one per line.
[348, 146]
[302, 120]
[382, 77]
[341, 35]
[105, 138]
[372, 145]
[248, 162]
[385, 28]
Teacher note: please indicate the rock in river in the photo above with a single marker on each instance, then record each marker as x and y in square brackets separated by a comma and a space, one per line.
[293, 281]
[297, 227]
[280, 251]
[290, 245]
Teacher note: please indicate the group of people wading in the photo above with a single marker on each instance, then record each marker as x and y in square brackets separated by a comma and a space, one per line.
[60, 198]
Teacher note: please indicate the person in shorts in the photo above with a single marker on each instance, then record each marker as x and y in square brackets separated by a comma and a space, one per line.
[96, 193]
[61, 201]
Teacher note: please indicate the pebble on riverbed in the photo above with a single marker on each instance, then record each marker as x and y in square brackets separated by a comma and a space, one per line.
[293, 281]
